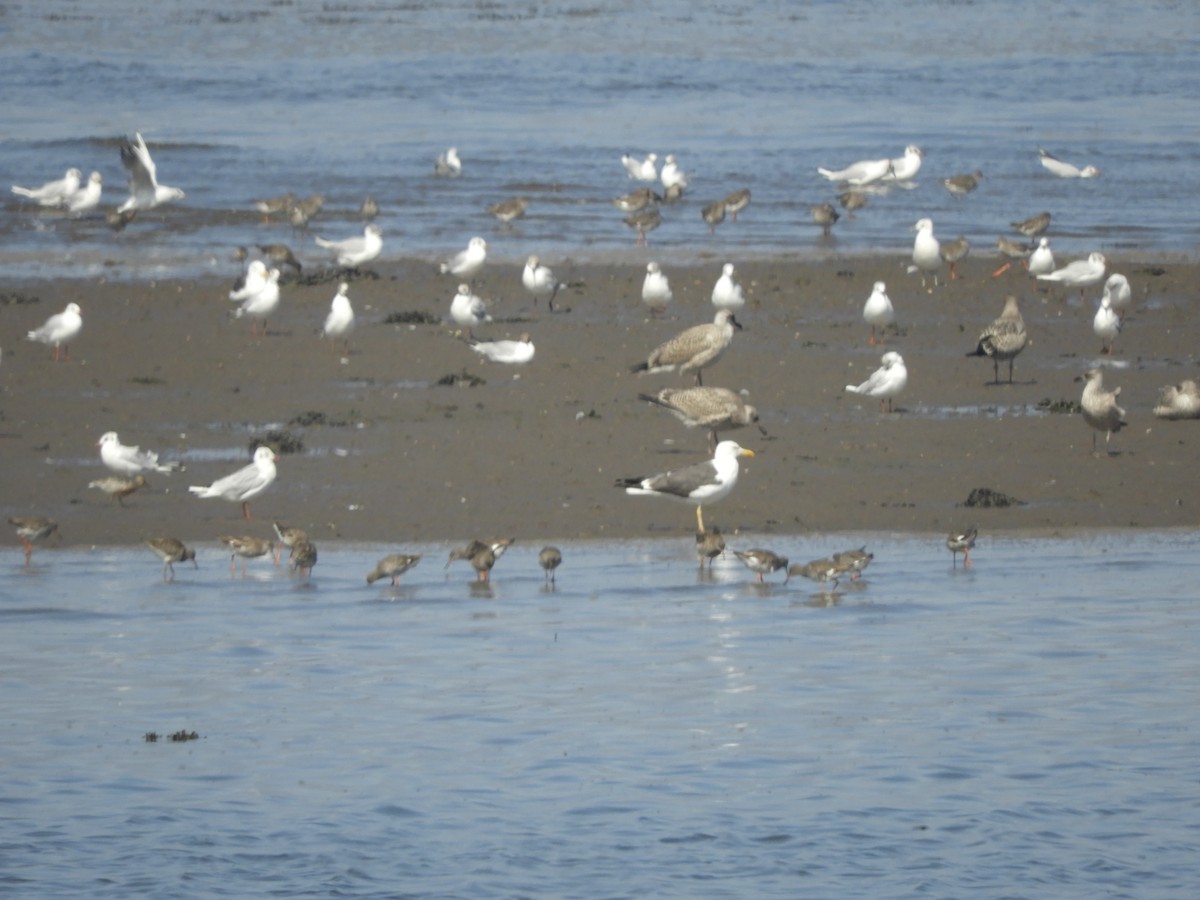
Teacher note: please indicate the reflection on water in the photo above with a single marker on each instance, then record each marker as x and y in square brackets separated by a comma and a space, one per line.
[643, 727]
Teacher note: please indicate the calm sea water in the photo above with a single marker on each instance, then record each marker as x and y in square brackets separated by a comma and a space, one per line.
[1024, 729]
[248, 99]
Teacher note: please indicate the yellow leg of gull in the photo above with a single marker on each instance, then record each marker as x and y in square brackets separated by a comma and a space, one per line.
[699, 520]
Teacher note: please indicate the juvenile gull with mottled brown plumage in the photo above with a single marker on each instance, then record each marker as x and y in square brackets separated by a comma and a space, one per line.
[693, 349]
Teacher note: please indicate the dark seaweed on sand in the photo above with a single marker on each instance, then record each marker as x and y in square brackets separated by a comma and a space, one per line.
[411, 317]
[988, 498]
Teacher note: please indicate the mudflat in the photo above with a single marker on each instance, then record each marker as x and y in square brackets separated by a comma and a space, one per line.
[411, 436]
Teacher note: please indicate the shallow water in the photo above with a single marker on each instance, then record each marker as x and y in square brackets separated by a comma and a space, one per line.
[1024, 728]
[244, 100]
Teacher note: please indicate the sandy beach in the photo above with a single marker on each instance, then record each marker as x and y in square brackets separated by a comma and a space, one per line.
[532, 452]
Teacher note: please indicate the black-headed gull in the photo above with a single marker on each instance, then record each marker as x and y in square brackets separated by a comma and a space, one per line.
[259, 307]
[144, 190]
[392, 567]
[53, 193]
[704, 482]
[245, 483]
[448, 164]
[859, 174]
[87, 197]
[60, 329]
[762, 562]
[1106, 324]
[353, 252]
[539, 280]
[125, 460]
[467, 310]
[253, 280]
[513, 353]
[905, 167]
[1082, 273]
[656, 289]
[1118, 292]
[672, 176]
[878, 311]
[1100, 409]
[1065, 169]
[1003, 339]
[1041, 261]
[886, 382]
[927, 252]
[467, 263]
[641, 169]
[693, 349]
[726, 292]
[171, 550]
[339, 322]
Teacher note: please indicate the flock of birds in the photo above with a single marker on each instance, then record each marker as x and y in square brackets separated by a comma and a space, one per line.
[713, 409]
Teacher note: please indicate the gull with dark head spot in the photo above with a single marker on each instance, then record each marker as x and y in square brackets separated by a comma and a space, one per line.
[53, 193]
[906, 167]
[927, 252]
[641, 169]
[726, 292]
[673, 177]
[1041, 261]
[705, 482]
[886, 382]
[467, 263]
[878, 311]
[513, 353]
[144, 190]
[1056, 166]
[1004, 339]
[656, 289]
[259, 306]
[861, 173]
[693, 349]
[1082, 273]
[60, 329]
[1107, 325]
[467, 310]
[245, 483]
[353, 252]
[87, 197]
[126, 460]
[539, 280]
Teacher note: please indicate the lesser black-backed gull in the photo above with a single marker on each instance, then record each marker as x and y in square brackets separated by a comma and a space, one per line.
[705, 482]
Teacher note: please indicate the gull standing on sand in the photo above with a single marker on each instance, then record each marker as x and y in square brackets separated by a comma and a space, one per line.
[60, 329]
[144, 190]
[727, 293]
[1082, 273]
[1064, 169]
[1100, 409]
[693, 349]
[467, 263]
[119, 488]
[878, 311]
[53, 193]
[641, 169]
[886, 382]
[353, 252]
[1005, 338]
[712, 408]
[30, 529]
[859, 174]
[961, 542]
[252, 281]
[705, 482]
[514, 353]
[467, 310]
[245, 483]
[393, 567]
[125, 460]
[762, 562]
[656, 289]
[906, 167]
[87, 197]
[448, 164]
[673, 177]
[171, 550]
[340, 320]
[259, 307]
[1041, 261]
[539, 280]
[1107, 325]
[1118, 293]
[927, 252]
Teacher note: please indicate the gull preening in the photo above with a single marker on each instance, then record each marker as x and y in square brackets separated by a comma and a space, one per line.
[1181, 401]
[656, 289]
[144, 190]
[762, 562]
[60, 329]
[878, 311]
[1118, 293]
[467, 310]
[353, 252]
[1100, 409]
[243, 484]
[886, 382]
[1056, 166]
[693, 349]
[87, 197]
[927, 252]
[448, 164]
[513, 353]
[339, 323]
[1106, 324]
[712, 408]
[1004, 339]
[698, 484]
[260, 305]
[53, 193]
[1082, 273]
[905, 167]
[467, 263]
[726, 292]
[539, 280]
[641, 169]
[126, 460]
[673, 177]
